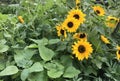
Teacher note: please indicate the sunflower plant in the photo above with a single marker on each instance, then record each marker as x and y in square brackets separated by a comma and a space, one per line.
[60, 40]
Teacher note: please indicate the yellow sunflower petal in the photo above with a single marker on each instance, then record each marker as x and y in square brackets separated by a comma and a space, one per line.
[104, 39]
[20, 19]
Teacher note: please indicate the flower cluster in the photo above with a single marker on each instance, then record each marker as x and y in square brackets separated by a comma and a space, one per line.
[75, 18]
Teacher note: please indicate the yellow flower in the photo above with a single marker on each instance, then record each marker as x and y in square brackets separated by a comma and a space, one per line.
[80, 36]
[104, 39]
[82, 49]
[99, 10]
[118, 53]
[71, 24]
[61, 31]
[20, 19]
[111, 21]
[77, 3]
[77, 14]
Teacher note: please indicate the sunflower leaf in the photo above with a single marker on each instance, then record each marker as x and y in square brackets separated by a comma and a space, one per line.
[45, 53]
[9, 70]
[71, 72]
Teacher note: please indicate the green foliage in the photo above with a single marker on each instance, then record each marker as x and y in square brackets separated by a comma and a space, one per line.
[32, 51]
[9, 70]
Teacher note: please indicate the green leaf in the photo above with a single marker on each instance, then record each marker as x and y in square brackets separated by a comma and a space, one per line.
[3, 48]
[55, 69]
[36, 67]
[43, 41]
[6, 34]
[9, 70]
[23, 57]
[45, 53]
[53, 41]
[2, 64]
[54, 73]
[3, 41]
[40, 76]
[66, 60]
[71, 72]
[32, 46]
[24, 74]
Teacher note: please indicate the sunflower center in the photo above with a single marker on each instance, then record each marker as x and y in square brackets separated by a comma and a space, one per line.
[76, 16]
[70, 24]
[82, 35]
[119, 52]
[81, 49]
[97, 11]
[62, 32]
[113, 20]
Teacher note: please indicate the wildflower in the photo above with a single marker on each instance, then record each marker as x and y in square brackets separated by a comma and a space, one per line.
[61, 31]
[99, 10]
[77, 14]
[118, 52]
[80, 36]
[77, 3]
[71, 24]
[111, 21]
[20, 19]
[82, 49]
[104, 39]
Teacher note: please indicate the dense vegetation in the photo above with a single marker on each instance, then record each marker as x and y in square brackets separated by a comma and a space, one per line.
[59, 40]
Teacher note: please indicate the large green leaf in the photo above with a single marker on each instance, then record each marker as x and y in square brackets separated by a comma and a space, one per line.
[23, 57]
[45, 53]
[9, 70]
[36, 67]
[39, 76]
[54, 73]
[24, 74]
[71, 72]
[3, 48]
[55, 70]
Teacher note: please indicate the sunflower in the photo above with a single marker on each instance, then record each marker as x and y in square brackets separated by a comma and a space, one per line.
[118, 52]
[82, 49]
[71, 24]
[77, 3]
[111, 21]
[99, 10]
[80, 36]
[104, 39]
[77, 14]
[20, 19]
[61, 31]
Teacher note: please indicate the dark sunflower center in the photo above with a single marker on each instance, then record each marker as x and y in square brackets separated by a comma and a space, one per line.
[62, 32]
[82, 35]
[97, 11]
[70, 24]
[76, 16]
[81, 49]
[113, 20]
[119, 52]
